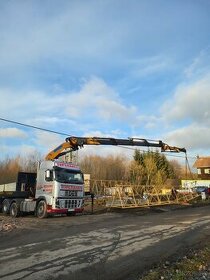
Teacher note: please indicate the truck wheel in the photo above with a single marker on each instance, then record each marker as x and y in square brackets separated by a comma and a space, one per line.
[41, 209]
[5, 207]
[14, 210]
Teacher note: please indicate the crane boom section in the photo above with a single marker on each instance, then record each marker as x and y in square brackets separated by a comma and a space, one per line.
[74, 143]
[114, 141]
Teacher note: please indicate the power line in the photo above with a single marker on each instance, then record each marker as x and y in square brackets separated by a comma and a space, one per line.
[35, 127]
[65, 134]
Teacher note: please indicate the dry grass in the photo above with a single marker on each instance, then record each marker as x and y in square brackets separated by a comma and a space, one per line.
[197, 262]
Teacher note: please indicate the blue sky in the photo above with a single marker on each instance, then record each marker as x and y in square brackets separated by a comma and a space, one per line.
[105, 68]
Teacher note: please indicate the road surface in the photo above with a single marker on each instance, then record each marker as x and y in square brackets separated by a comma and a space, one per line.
[98, 247]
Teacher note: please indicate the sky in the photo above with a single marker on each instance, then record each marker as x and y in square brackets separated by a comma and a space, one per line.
[113, 68]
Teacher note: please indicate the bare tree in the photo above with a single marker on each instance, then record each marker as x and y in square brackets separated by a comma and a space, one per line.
[105, 168]
[159, 178]
[9, 169]
[178, 168]
[137, 172]
[29, 163]
[151, 168]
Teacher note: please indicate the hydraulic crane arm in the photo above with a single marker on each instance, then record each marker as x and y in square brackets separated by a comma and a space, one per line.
[74, 143]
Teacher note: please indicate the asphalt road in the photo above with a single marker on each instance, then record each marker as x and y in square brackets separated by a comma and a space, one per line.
[106, 246]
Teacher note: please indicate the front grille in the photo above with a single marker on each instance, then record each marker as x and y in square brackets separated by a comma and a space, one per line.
[70, 203]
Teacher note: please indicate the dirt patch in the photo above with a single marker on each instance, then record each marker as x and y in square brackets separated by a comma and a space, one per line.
[8, 224]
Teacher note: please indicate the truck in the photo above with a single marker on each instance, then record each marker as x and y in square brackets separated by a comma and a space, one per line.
[58, 186]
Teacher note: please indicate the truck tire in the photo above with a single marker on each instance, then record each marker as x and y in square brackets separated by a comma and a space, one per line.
[41, 209]
[5, 207]
[14, 210]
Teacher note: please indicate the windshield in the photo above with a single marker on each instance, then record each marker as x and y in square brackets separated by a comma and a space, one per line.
[67, 176]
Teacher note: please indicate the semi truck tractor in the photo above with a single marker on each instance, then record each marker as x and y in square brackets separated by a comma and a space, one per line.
[58, 187]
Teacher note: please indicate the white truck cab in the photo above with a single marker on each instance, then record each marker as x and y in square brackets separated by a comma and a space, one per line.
[62, 186]
[56, 188]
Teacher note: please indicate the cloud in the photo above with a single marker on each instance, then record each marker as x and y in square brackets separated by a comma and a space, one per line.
[12, 132]
[96, 33]
[189, 107]
[104, 151]
[146, 66]
[48, 140]
[193, 137]
[17, 149]
[200, 64]
[101, 101]
[98, 133]
[190, 102]
[64, 34]
[130, 67]
[95, 102]
[26, 150]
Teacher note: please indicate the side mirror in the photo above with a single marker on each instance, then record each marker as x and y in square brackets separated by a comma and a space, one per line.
[48, 175]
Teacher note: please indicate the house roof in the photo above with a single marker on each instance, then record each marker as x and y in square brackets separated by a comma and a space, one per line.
[202, 162]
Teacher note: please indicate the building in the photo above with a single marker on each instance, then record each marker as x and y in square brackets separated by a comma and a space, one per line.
[192, 184]
[203, 167]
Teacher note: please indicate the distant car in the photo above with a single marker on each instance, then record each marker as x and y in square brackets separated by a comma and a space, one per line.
[203, 189]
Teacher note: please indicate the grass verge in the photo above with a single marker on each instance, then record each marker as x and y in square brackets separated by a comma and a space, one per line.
[194, 265]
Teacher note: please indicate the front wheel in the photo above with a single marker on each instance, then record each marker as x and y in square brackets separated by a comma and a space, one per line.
[41, 210]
